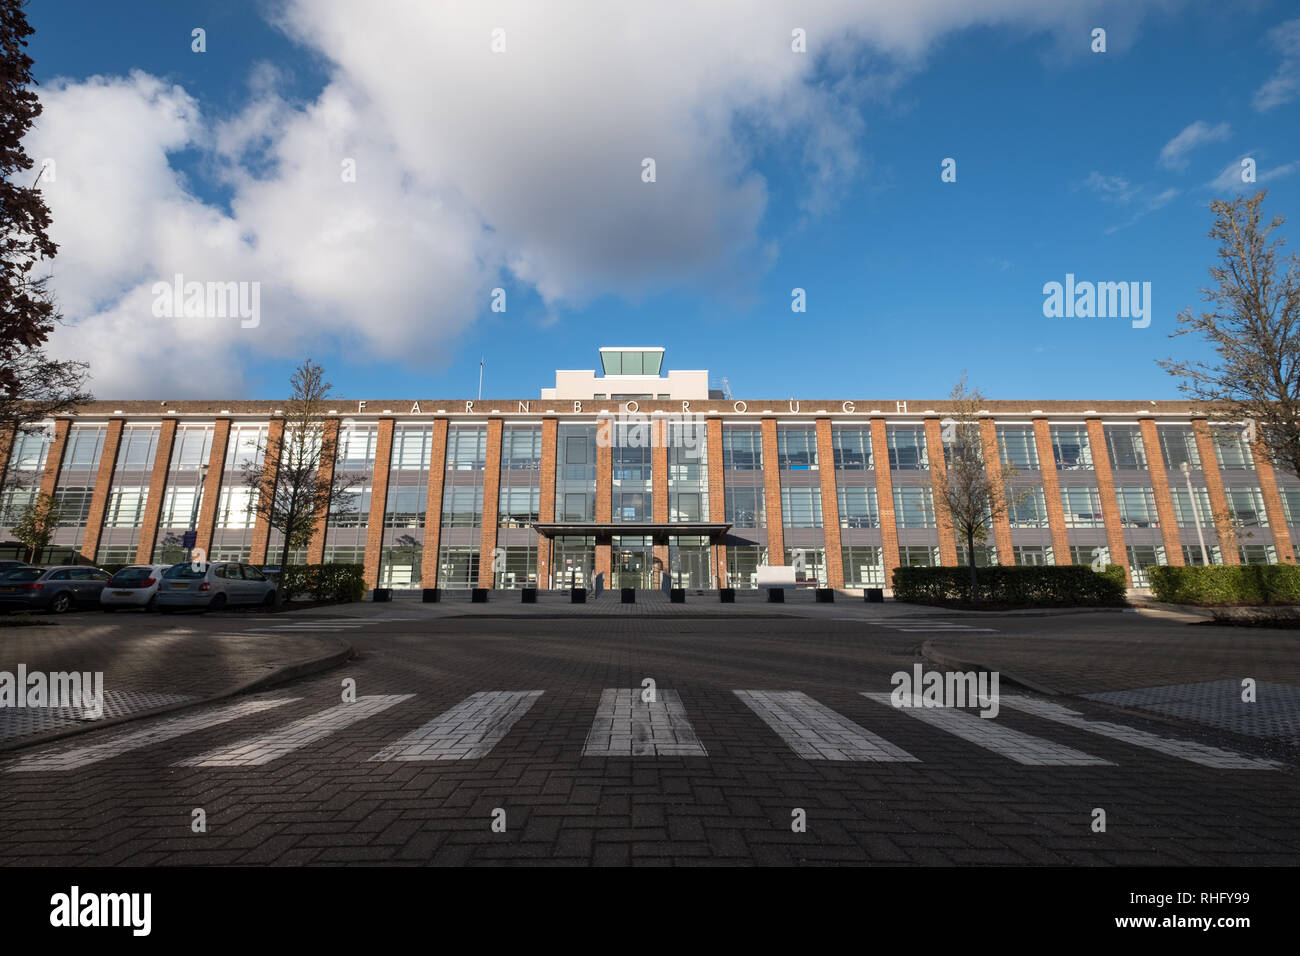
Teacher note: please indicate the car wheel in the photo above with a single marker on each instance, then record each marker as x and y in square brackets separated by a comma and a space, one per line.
[166, 610]
[269, 600]
[62, 603]
[217, 603]
[152, 605]
[107, 608]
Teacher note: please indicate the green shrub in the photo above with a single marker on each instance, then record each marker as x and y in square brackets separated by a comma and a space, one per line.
[323, 582]
[1227, 584]
[1036, 585]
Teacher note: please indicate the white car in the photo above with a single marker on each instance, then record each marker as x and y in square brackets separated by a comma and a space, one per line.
[213, 586]
[133, 586]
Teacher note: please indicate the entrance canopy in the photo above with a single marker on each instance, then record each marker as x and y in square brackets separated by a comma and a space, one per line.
[660, 531]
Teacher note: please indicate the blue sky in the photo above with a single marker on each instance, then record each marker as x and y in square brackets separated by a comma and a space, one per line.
[909, 280]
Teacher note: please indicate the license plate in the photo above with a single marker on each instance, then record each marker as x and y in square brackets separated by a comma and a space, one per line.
[180, 585]
[8, 589]
[123, 593]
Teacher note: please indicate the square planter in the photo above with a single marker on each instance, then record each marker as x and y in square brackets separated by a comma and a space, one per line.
[431, 595]
[628, 595]
[775, 596]
[478, 596]
[578, 596]
[825, 595]
[727, 595]
[528, 596]
[874, 595]
[383, 594]
[677, 595]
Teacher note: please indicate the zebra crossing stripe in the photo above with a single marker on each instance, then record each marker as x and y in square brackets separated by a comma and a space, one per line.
[1201, 754]
[466, 732]
[263, 748]
[165, 729]
[627, 726]
[814, 731]
[987, 733]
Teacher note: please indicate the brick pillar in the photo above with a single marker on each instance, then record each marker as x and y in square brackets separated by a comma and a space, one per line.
[1160, 486]
[993, 468]
[262, 527]
[1273, 504]
[433, 505]
[830, 504]
[379, 502]
[717, 494]
[546, 498]
[54, 458]
[1106, 491]
[1214, 486]
[1052, 492]
[212, 486]
[491, 495]
[604, 491]
[103, 484]
[157, 491]
[659, 486]
[885, 499]
[772, 494]
[328, 453]
[938, 472]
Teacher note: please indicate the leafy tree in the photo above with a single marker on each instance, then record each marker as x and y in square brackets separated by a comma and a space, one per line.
[975, 498]
[1253, 328]
[35, 525]
[289, 488]
[32, 385]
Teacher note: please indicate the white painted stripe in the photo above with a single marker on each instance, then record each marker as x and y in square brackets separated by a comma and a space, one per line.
[814, 731]
[627, 726]
[466, 732]
[963, 630]
[255, 751]
[987, 733]
[165, 729]
[1201, 754]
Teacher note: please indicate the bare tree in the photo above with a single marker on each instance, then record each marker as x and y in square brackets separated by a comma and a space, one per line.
[35, 524]
[286, 480]
[975, 498]
[1253, 328]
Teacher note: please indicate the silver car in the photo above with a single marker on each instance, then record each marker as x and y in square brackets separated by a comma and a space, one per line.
[133, 586]
[214, 585]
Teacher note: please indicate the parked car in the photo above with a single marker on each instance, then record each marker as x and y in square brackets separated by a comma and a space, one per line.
[58, 588]
[214, 585]
[7, 566]
[133, 586]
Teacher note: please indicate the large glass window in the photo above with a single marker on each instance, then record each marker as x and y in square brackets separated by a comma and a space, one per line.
[1026, 508]
[1017, 447]
[1231, 449]
[796, 448]
[914, 508]
[575, 473]
[1124, 444]
[1178, 445]
[907, 448]
[801, 507]
[864, 566]
[1141, 557]
[746, 507]
[467, 448]
[742, 448]
[852, 447]
[1082, 508]
[1137, 508]
[1246, 507]
[858, 507]
[1186, 515]
[1071, 447]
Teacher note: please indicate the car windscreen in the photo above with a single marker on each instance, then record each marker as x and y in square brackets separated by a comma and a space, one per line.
[132, 575]
[23, 574]
[185, 572]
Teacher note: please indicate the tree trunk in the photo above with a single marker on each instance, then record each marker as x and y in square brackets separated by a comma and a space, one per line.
[284, 553]
[970, 559]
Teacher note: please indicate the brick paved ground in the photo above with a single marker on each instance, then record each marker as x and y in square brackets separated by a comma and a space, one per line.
[322, 798]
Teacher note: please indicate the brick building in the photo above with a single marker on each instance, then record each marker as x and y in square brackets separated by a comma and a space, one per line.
[634, 473]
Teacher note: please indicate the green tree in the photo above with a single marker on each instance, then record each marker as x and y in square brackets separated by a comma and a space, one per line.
[35, 525]
[1254, 328]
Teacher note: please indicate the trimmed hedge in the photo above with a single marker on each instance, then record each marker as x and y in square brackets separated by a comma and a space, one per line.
[1227, 584]
[324, 582]
[1033, 585]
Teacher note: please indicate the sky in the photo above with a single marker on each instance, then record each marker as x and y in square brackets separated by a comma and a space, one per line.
[403, 189]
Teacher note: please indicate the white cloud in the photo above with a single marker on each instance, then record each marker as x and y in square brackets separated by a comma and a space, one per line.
[473, 169]
[1174, 153]
[1284, 85]
[1229, 181]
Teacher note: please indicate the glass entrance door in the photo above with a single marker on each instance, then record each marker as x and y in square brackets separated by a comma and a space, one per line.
[632, 567]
